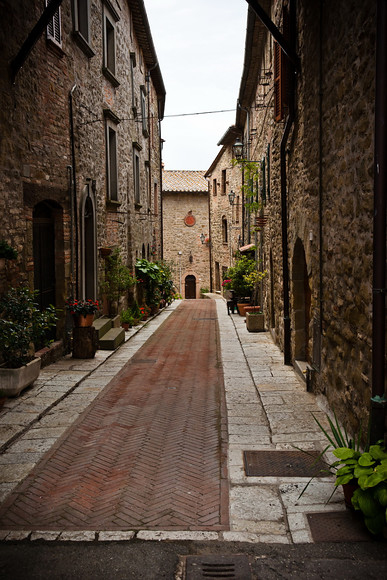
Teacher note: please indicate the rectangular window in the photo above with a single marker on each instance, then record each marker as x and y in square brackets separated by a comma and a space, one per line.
[148, 185]
[109, 44]
[281, 74]
[54, 28]
[81, 18]
[111, 161]
[224, 179]
[144, 115]
[214, 187]
[155, 198]
[136, 164]
[132, 67]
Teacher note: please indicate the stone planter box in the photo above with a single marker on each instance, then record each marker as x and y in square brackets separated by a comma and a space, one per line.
[13, 381]
[255, 322]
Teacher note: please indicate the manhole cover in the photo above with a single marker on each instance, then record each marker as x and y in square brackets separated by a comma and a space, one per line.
[342, 526]
[283, 464]
[234, 567]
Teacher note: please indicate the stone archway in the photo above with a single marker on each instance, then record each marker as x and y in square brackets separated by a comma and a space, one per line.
[301, 298]
[89, 245]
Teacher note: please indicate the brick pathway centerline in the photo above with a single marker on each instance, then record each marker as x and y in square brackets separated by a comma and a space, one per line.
[150, 451]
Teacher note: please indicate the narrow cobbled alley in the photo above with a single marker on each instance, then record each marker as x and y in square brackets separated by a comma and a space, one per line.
[150, 451]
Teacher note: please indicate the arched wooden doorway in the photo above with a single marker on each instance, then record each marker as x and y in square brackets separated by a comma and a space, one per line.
[89, 255]
[44, 254]
[301, 303]
[190, 287]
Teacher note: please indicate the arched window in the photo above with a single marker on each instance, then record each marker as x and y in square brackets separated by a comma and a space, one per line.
[224, 230]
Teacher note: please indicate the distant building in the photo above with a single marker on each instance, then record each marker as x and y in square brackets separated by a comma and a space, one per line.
[80, 130]
[186, 238]
[226, 212]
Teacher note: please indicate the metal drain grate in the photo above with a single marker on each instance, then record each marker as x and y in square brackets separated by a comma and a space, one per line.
[233, 567]
[283, 464]
[342, 526]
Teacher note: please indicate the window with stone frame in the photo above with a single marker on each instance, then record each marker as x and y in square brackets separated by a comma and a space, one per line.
[110, 19]
[81, 23]
[281, 73]
[214, 187]
[111, 122]
[54, 27]
[144, 116]
[132, 67]
[136, 176]
[224, 181]
[224, 230]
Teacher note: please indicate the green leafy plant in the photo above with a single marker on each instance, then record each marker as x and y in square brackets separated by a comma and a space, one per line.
[366, 469]
[127, 317]
[243, 276]
[6, 251]
[118, 279]
[22, 323]
[369, 471]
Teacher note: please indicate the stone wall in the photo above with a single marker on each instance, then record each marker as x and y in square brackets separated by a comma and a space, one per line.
[329, 219]
[36, 153]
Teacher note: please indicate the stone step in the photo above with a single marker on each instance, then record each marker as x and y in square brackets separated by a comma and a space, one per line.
[102, 325]
[112, 339]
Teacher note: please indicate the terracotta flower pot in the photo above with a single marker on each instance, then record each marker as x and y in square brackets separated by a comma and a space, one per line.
[80, 320]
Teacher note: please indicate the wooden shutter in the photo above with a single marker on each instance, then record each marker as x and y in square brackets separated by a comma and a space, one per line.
[54, 27]
[279, 84]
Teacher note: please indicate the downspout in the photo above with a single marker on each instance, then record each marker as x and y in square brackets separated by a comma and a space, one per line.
[75, 205]
[161, 194]
[284, 195]
[378, 400]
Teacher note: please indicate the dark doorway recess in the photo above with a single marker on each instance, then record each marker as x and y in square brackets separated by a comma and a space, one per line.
[190, 287]
[44, 254]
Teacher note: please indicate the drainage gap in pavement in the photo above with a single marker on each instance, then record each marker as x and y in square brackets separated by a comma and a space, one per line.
[284, 464]
[234, 567]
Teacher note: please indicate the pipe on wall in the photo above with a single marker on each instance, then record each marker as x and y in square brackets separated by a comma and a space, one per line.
[75, 203]
[378, 400]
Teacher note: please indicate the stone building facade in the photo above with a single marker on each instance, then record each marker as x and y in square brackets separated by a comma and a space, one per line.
[315, 143]
[80, 141]
[225, 218]
[186, 241]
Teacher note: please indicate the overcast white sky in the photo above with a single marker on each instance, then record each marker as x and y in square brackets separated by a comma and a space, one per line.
[200, 48]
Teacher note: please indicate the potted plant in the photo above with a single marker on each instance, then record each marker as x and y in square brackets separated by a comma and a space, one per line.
[362, 473]
[255, 321]
[22, 324]
[127, 319]
[83, 311]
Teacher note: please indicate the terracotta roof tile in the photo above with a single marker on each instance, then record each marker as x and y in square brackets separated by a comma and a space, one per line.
[184, 181]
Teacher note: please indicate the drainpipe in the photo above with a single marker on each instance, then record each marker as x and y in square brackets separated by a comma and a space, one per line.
[75, 208]
[284, 195]
[378, 400]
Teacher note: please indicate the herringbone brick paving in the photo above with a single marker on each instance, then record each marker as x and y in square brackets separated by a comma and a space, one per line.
[150, 452]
